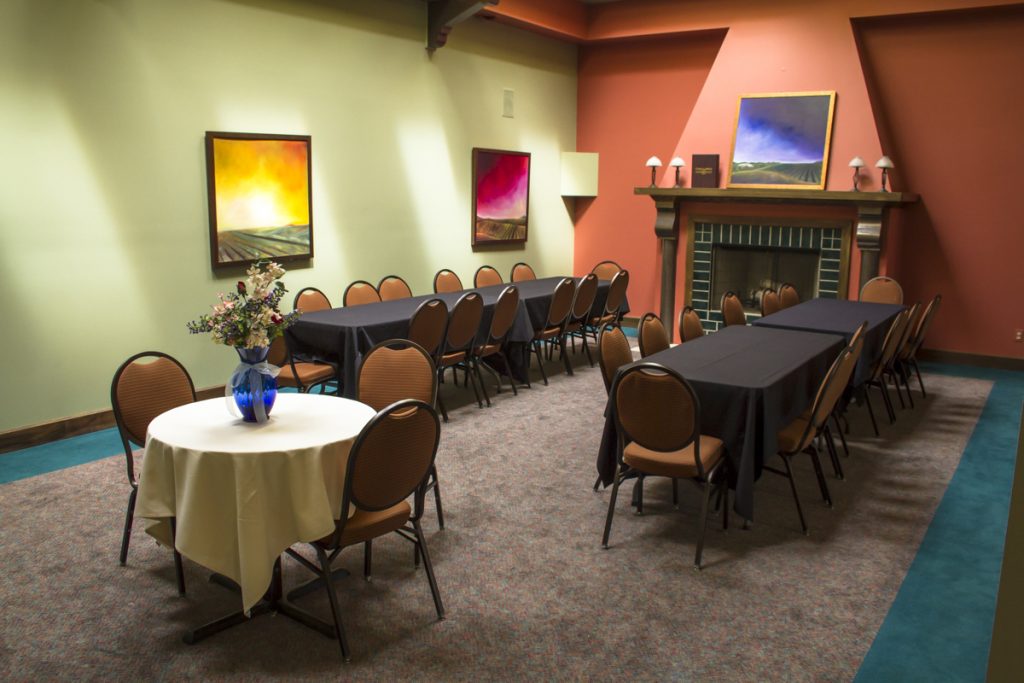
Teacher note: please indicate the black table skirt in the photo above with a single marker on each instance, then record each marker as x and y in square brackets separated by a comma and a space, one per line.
[843, 317]
[343, 335]
[750, 383]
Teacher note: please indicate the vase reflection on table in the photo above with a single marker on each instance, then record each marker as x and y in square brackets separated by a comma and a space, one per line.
[253, 384]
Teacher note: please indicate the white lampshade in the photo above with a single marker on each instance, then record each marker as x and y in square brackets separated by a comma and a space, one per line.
[856, 162]
[884, 162]
[676, 162]
[654, 161]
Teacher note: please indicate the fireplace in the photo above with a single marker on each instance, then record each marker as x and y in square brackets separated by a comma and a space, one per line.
[748, 255]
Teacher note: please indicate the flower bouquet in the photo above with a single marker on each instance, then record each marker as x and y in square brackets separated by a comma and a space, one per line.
[249, 319]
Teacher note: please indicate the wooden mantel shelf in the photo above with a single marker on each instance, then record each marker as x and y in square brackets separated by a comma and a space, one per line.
[778, 196]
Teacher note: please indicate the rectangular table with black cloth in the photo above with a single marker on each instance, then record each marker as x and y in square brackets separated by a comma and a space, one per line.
[343, 335]
[839, 316]
[750, 382]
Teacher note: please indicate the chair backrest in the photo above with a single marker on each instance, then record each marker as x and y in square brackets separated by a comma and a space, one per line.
[770, 302]
[278, 352]
[393, 287]
[612, 353]
[394, 370]
[522, 271]
[882, 290]
[831, 389]
[732, 310]
[144, 386]
[904, 339]
[561, 303]
[690, 326]
[504, 313]
[856, 345]
[651, 335]
[922, 327]
[464, 322]
[583, 300]
[311, 299]
[447, 281]
[788, 296]
[428, 324]
[360, 292]
[656, 408]
[605, 270]
[889, 346]
[616, 292]
[486, 276]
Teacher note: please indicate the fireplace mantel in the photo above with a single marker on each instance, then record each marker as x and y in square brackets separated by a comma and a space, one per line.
[871, 209]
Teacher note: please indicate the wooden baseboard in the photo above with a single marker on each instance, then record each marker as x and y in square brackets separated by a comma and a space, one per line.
[76, 425]
[974, 359]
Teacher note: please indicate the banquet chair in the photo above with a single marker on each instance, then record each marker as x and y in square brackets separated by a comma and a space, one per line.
[894, 370]
[457, 348]
[732, 310]
[393, 287]
[606, 270]
[522, 271]
[856, 347]
[877, 375]
[360, 292]
[580, 313]
[300, 374]
[612, 313]
[428, 325]
[486, 276]
[657, 416]
[788, 295]
[799, 435]
[652, 336]
[504, 316]
[395, 370]
[908, 357]
[553, 330]
[613, 352]
[447, 281]
[144, 386]
[390, 460]
[311, 299]
[770, 302]
[882, 290]
[690, 326]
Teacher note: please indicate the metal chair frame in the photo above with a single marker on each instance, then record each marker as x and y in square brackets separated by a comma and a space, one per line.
[396, 279]
[517, 272]
[496, 335]
[455, 275]
[304, 290]
[643, 338]
[485, 270]
[555, 321]
[356, 283]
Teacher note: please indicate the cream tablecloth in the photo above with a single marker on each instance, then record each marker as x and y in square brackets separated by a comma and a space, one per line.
[243, 492]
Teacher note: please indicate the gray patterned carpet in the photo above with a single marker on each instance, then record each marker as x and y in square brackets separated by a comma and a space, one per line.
[528, 589]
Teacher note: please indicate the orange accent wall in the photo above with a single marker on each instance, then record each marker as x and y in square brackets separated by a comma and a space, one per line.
[559, 18]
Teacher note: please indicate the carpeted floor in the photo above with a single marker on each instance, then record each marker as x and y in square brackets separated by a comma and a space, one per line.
[527, 587]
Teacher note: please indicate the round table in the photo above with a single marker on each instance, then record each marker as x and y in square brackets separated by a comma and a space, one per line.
[242, 492]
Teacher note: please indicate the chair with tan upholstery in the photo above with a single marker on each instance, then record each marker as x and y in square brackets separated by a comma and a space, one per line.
[501, 324]
[393, 287]
[521, 272]
[428, 325]
[391, 460]
[552, 333]
[311, 299]
[732, 310]
[798, 436]
[447, 281]
[894, 370]
[300, 374]
[613, 304]
[882, 290]
[581, 313]
[788, 296]
[908, 357]
[395, 370]
[856, 347]
[770, 302]
[606, 270]
[457, 350]
[486, 276]
[144, 386]
[652, 337]
[877, 376]
[613, 352]
[657, 417]
[360, 292]
[690, 326]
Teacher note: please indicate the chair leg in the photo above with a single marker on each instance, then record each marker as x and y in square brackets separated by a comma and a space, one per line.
[368, 560]
[638, 494]
[887, 400]
[891, 374]
[437, 497]
[586, 349]
[703, 525]
[565, 356]
[796, 496]
[597, 482]
[833, 454]
[421, 543]
[918, 371]
[820, 474]
[129, 517]
[440, 405]
[508, 369]
[540, 361]
[339, 629]
[611, 509]
[871, 411]
[480, 381]
[675, 493]
[842, 437]
[725, 501]
[906, 382]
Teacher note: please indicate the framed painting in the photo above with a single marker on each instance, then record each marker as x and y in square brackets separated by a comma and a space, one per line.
[781, 140]
[261, 198]
[501, 196]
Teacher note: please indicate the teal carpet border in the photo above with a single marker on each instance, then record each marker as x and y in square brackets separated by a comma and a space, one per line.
[939, 627]
[58, 455]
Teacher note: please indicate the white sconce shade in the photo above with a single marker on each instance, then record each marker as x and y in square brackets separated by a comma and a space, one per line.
[884, 162]
[856, 162]
[677, 162]
[654, 162]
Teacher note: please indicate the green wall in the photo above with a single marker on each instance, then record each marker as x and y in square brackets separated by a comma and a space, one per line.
[104, 247]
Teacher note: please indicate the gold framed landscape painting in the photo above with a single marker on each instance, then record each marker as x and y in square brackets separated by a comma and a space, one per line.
[781, 140]
[260, 197]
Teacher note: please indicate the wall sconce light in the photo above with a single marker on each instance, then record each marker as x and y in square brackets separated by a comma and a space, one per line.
[856, 164]
[885, 163]
[655, 164]
[677, 163]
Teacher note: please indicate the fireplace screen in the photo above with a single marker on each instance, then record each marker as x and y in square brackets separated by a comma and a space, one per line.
[748, 271]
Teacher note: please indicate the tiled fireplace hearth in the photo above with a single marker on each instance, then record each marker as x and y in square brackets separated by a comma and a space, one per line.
[746, 255]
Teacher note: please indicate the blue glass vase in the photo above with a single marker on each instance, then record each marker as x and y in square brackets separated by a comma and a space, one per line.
[254, 383]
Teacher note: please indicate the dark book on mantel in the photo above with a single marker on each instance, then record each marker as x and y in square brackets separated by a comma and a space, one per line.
[705, 170]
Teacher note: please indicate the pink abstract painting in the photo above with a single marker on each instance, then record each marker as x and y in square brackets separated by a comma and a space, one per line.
[501, 196]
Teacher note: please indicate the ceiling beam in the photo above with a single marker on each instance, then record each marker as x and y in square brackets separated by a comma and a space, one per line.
[442, 15]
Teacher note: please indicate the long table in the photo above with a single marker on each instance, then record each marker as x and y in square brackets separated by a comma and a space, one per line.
[751, 382]
[842, 317]
[343, 335]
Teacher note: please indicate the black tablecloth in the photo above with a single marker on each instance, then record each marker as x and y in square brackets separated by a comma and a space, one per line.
[751, 382]
[839, 316]
[343, 335]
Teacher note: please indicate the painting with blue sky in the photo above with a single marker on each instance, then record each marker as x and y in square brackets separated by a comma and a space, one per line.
[782, 140]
